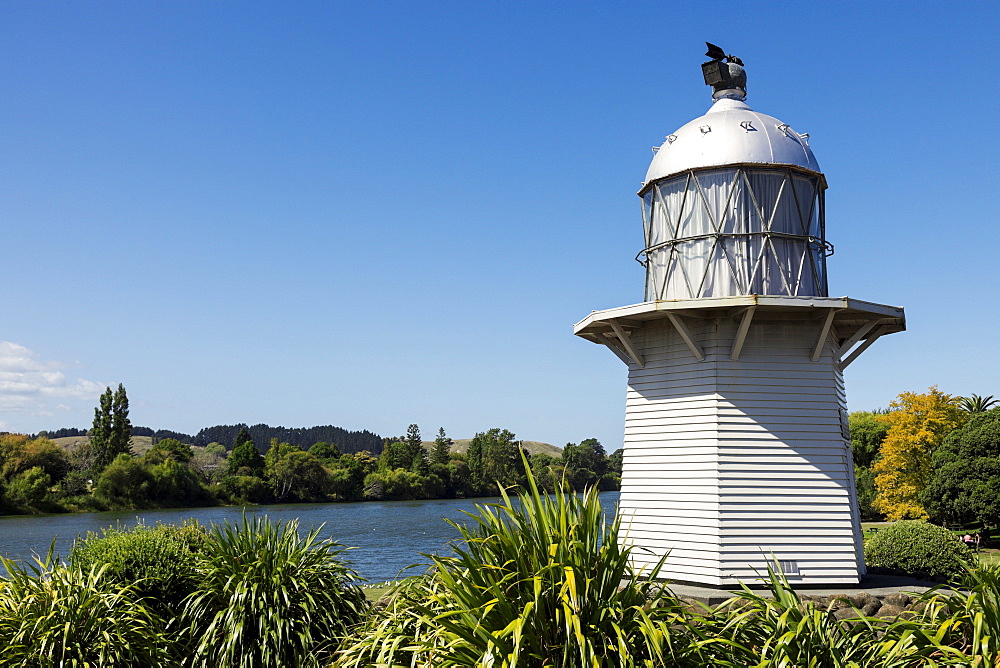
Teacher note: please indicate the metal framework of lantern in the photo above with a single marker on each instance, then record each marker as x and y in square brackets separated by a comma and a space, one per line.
[740, 230]
[737, 449]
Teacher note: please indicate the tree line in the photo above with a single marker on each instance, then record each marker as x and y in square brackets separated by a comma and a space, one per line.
[304, 437]
[105, 472]
[347, 440]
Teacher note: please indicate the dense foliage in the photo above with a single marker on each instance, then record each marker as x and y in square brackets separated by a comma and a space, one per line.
[268, 596]
[964, 486]
[920, 549]
[867, 434]
[159, 563]
[57, 615]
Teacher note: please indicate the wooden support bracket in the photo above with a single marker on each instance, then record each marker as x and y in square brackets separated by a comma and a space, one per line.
[741, 333]
[858, 335]
[627, 343]
[612, 346]
[824, 334]
[864, 346]
[686, 335]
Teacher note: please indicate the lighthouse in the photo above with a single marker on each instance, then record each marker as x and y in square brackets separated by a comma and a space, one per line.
[737, 451]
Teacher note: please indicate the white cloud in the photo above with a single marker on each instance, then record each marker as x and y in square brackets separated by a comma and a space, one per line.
[28, 383]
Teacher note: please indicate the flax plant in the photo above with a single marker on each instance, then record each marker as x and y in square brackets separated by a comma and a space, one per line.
[537, 581]
[52, 614]
[966, 620]
[780, 630]
[269, 596]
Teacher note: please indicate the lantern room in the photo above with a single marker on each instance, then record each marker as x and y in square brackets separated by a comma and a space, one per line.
[732, 205]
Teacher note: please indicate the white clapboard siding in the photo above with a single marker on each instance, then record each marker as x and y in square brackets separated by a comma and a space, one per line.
[730, 465]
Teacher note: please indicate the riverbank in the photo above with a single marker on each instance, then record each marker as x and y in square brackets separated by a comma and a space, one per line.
[385, 537]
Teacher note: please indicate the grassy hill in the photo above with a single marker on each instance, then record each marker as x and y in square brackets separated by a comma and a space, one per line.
[533, 447]
[140, 444]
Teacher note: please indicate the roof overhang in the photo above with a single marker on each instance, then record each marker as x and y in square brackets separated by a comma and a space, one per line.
[853, 322]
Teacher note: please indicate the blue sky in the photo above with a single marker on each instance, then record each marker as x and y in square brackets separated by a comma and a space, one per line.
[372, 214]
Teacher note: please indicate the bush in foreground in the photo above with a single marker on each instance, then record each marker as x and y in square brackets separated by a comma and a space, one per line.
[269, 596]
[920, 549]
[59, 615]
[158, 562]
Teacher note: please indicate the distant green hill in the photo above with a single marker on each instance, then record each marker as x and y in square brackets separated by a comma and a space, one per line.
[533, 447]
[140, 444]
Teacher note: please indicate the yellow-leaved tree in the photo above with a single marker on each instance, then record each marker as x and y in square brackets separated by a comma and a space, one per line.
[917, 425]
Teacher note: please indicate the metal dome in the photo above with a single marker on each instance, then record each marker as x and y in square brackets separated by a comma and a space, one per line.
[731, 133]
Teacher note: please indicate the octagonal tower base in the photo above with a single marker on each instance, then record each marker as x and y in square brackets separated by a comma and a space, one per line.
[737, 450]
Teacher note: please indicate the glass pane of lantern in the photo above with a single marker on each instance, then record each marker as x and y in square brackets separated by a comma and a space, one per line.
[694, 218]
[774, 206]
[715, 188]
[805, 193]
[694, 262]
[790, 260]
[670, 196]
[739, 261]
[737, 219]
[773, 277]
[719, 278]
[747, 207]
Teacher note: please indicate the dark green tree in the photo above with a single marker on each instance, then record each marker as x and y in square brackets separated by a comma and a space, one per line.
[965, 481]
[864, 483]
[416, 456]
[615, 462]
[325, 452]
[395, 455]
[585, 464]
[179, 452]
[112, 432]
[867, 434]
[441, 452]
[495, 459]
[299, 476]
[121, 427]
[242, 437]
[245, 455]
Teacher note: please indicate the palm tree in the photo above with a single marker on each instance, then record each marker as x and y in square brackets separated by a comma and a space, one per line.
[977, 404]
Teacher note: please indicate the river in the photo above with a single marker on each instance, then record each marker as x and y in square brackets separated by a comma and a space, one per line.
[389, 535]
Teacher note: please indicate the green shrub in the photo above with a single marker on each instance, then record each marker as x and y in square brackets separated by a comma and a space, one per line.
[269, 596]
[920, 549]
[58, 615]
[245, 489]
[159, 562]
[28, 490]
[538, 581]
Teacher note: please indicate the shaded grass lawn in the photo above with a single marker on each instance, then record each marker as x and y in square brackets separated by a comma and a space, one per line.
[376, 591]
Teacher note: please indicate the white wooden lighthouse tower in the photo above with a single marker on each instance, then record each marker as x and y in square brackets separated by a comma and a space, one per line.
[737, 451]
